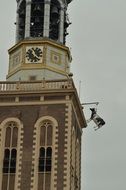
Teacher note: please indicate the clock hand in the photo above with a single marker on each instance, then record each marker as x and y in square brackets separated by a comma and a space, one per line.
[33, 52]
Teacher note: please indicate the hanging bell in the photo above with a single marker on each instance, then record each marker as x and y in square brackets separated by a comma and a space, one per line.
[22, 13]
[21, 31]
[21, 22]
[55, 12]
[37, 20]
[37, 9]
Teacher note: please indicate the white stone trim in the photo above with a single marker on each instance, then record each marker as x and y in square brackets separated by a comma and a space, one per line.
[67, 147]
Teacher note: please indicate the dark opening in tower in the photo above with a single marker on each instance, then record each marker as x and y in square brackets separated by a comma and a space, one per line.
[22, 15]
[37, 18]
[54, 20]
[42, 18]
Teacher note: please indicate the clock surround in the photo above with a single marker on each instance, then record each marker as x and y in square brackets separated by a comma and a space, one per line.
[34, 54]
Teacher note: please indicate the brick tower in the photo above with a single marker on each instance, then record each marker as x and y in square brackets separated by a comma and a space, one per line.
[41, 118]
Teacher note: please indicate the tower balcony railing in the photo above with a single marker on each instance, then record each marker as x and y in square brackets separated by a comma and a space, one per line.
[27, 86]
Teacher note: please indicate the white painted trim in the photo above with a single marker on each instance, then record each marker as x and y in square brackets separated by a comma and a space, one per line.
[67, 147]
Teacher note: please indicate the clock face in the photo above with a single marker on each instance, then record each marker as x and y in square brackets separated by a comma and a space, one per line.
[34, 54]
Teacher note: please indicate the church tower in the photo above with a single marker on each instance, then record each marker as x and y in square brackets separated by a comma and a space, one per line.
[41, 118]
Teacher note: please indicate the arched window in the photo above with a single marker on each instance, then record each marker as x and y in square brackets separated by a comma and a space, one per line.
[10, 156]
[45, 155]
[10, 153]
[45, 152]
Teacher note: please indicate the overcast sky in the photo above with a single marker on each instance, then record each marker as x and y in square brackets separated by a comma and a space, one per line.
[98, 44]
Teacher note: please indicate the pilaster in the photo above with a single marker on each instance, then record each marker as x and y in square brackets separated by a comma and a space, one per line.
[28, 18]
[46, 18]
[61, 31]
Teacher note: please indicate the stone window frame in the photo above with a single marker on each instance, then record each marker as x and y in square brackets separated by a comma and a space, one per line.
[3, 127]
[45, 156]
[10, 148]
[36, 148]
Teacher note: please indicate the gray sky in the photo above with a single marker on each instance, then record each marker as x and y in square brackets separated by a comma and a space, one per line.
[98, 42]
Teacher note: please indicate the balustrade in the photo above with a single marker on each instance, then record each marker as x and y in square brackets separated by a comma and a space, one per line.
[8, 86]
